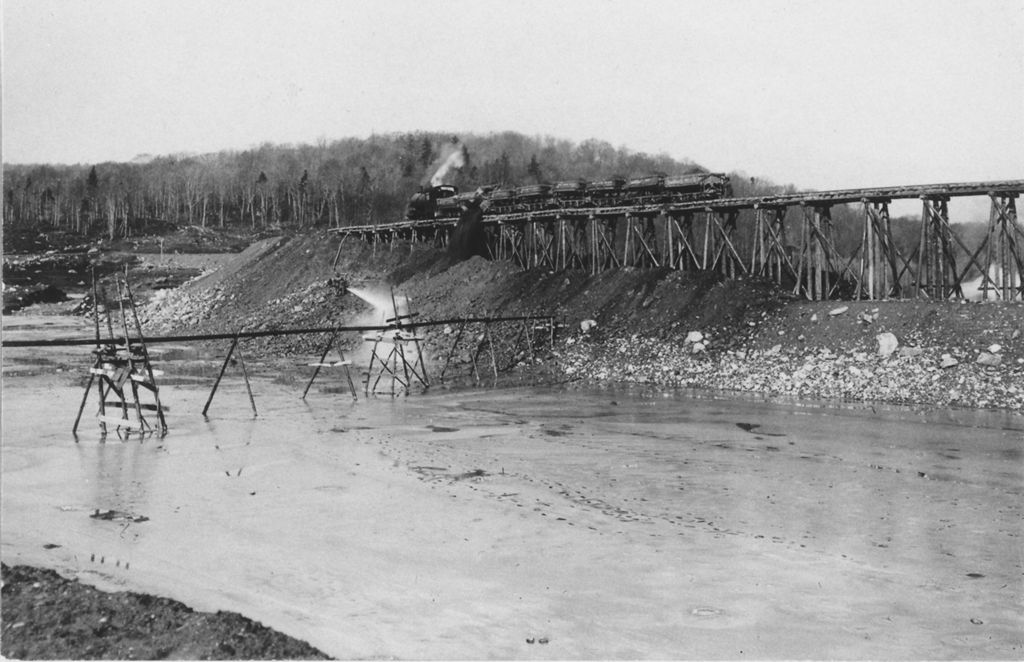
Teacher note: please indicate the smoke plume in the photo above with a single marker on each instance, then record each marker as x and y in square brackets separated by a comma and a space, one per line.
[453, 160]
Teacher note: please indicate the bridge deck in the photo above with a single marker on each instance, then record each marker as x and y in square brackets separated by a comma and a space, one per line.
[808, 198]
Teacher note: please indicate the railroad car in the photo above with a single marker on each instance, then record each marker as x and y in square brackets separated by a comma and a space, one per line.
[533, 197]
[445, 201]
[605, 192]
[570, 193]
[645, 190]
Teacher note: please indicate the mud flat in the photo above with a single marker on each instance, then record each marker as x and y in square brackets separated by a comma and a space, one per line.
[539, 523]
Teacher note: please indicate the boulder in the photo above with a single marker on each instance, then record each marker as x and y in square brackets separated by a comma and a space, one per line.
[887, 344]
[989, 359]
[947, 361]
[694, 336]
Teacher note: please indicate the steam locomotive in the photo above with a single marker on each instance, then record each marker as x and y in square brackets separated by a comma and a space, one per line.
[445, 201]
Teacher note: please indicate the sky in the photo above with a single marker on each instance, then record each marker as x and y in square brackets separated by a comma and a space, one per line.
[819, 94]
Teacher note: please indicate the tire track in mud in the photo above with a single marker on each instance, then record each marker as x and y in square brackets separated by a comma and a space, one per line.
[574, 504]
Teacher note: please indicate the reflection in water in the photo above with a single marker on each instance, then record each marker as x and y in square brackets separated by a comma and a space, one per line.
[231, 441]
[120, 474]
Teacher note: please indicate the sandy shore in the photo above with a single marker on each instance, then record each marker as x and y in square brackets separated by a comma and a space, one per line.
[540, 524]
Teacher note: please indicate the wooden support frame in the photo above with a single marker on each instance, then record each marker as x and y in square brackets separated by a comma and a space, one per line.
[234, 349]
[879, 275]
[342, 363]
[680, 245]
[818, 274]
[603, 240]
[937, 275]
[693, 235]
[1003, 268]
[720, 253]
[395, 362]
[641, 242]
[121, 368]
[770, 256]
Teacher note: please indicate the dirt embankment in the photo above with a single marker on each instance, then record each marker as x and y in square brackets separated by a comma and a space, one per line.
[651, 326]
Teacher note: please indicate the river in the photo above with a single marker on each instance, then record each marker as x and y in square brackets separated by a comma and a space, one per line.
[532, 522]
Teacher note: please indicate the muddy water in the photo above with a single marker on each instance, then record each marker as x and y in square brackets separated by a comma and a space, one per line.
[539, 523]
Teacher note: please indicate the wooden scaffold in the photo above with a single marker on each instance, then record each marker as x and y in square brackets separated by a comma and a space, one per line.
[489, 351]
[400, 340]
[122, 370]
[342, 363]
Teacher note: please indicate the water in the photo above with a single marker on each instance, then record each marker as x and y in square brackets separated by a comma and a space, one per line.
[624, 524]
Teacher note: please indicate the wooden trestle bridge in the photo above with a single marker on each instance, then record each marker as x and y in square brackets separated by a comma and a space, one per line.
[788, 238]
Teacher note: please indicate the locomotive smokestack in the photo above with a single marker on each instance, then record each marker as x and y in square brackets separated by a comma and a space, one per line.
[453, 160]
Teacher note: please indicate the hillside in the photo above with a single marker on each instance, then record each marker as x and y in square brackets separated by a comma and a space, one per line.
[640, 324]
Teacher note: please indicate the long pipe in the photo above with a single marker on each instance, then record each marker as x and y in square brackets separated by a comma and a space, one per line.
[68, 342]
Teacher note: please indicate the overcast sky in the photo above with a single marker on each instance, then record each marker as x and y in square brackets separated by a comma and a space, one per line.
[819, 94]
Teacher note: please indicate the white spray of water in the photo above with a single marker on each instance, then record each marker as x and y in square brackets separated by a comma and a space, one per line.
[384, 302]
[380, 299]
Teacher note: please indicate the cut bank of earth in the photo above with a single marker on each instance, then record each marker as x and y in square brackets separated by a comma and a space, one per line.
[753, 337]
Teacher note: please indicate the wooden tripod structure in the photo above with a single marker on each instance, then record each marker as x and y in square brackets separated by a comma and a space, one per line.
[121, 369]
[532, 333]
[234, 349]
[342, 362]
[400, 340]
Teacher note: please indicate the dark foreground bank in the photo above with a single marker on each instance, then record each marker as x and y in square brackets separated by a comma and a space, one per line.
[47, 617]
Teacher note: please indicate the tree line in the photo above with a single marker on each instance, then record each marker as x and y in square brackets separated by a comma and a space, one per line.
[352, 181]
[330, 184]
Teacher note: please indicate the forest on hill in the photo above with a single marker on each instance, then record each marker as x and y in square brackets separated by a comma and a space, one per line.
[351, 181]
[343, 182]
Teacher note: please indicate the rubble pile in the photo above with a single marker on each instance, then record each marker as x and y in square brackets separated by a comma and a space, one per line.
[937, 353]
[922, 375]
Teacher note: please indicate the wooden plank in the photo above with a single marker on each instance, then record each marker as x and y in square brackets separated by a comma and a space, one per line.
[395, 339]
[119, 422]
[146, 406]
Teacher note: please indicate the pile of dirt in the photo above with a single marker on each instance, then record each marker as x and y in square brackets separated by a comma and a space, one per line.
[48, 617]
[651, 326]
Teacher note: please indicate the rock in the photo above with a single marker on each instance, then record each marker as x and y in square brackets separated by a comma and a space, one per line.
[814, 317]
[838, 311]
[989, 359]
[947, 361]
[995, 348]
[587, 325]
[698, 347]
[694, 336]
[911, 352]
[887, 344]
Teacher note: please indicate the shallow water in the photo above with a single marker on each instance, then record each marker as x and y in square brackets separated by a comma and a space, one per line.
[623, 524]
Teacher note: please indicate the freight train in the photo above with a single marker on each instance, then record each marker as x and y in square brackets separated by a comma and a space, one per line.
[445, 201]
